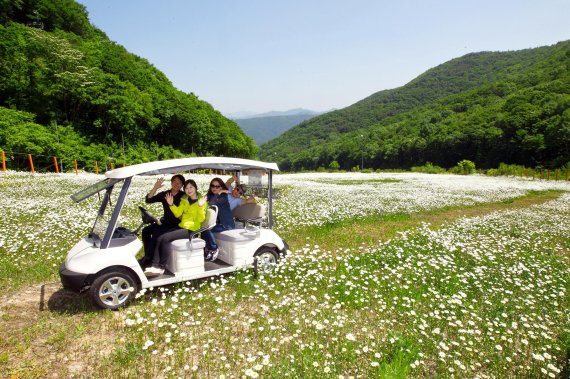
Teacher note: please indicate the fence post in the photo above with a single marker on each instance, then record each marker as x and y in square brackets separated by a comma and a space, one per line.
[112, 167]
[75, 166]
[55, 164]
[556, 177]
[96, 168]
[31, 163]
[3, 163]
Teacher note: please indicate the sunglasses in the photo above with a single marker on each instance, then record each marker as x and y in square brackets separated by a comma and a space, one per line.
[238, 191]
[215, 186]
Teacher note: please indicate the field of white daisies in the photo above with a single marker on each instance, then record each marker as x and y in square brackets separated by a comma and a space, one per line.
[486, 296]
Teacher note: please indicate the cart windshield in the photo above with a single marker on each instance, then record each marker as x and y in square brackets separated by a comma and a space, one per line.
[109, 199]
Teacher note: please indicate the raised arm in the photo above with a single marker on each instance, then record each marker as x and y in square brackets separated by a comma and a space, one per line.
[152, 193]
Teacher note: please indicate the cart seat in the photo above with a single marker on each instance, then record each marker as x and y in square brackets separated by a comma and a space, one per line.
[250, 213]
[187, 256]
[248, 220]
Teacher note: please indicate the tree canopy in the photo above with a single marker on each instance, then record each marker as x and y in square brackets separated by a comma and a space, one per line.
[63, 71]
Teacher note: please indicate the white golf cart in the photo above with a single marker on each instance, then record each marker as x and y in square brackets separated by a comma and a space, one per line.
[105, 261]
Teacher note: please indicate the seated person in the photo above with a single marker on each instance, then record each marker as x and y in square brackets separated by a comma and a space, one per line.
[236, 192]
[151, 232]
[192, 211]
[217, 195]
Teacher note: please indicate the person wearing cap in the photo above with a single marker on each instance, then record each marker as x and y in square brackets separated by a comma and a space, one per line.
[236, 192]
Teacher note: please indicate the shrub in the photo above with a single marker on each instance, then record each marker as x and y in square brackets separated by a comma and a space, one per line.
[429, 168]
[334, 166]
[465, 167]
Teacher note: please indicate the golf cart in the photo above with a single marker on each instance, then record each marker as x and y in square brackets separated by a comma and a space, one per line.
[105, 263]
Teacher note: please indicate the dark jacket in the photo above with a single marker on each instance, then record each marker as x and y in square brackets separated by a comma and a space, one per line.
[169, 219]
[225, 217]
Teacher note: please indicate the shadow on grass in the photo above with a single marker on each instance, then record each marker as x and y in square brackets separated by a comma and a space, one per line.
[65, 301]
[56, 299]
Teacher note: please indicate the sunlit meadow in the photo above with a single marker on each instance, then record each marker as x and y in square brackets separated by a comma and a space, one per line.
[479, 297]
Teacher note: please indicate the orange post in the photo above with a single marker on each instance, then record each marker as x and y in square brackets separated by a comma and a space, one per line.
[96, 168]
[55, 164]
[112, 167]
[3, 163]
[75, 166]
[31, 163]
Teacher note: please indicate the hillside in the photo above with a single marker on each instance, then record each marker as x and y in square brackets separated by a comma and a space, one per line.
[489, 107]
[92, 99]
[265, 128]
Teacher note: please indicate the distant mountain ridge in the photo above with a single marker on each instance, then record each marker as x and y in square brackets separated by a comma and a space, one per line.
[489, 107]
[266, 126]
[290, 112]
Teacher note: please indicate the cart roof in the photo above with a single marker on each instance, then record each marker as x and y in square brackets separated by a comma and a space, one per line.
[185, 164]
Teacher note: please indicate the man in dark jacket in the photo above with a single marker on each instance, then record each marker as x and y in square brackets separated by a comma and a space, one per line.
[151, 232]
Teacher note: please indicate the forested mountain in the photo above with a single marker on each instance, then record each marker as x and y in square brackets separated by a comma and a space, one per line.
[488, 107]
[67, 90]
[265, 128]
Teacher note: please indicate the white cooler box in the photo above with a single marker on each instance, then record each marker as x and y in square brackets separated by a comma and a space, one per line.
[187, 257]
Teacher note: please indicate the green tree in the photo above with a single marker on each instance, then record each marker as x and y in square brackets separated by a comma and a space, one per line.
[464, 167]
[334, 166]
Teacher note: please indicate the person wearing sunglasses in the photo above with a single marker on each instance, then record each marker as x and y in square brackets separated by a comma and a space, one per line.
[235, 193]
[218, 196]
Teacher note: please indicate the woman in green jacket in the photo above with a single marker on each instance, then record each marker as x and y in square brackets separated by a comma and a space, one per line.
[191, 211]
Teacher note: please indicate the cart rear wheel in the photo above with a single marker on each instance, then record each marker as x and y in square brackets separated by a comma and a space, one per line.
[114, 289]
[265, 260]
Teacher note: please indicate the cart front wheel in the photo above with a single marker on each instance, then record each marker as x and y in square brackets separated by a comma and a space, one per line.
[112, 290]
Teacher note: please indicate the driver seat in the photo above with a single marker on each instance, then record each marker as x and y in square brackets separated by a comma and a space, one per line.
[188, 254]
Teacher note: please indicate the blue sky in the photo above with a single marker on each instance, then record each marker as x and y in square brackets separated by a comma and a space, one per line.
[263, 55]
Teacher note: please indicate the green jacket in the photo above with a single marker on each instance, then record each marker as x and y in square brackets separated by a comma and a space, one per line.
[192, 214]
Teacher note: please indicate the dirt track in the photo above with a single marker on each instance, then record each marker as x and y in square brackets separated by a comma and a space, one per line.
[44, 333]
